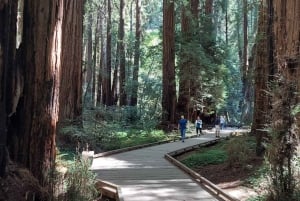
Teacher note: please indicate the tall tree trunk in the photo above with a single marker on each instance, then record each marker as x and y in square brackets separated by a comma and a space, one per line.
[262, 73]
[89, 61]
[96, 59]
[70, 97]
[135, 73]
[8, 18]
[33, 140]
[123, 95]
[183, 104]
[102, 70]
[246, 71]
[108, 95]
[169, 84]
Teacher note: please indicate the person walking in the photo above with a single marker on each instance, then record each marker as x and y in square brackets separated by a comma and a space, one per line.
[198, 125]
[182, 127]
[222, 122]
[217, 126]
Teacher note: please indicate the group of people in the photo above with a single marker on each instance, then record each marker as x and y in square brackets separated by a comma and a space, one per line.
[182, 124]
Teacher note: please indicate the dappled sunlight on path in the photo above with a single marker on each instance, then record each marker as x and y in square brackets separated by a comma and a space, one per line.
[145, 175]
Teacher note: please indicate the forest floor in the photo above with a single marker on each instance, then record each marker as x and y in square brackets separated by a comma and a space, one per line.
[233, 180]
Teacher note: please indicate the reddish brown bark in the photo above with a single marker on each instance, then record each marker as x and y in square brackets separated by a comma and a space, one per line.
[169, 84]
[71, 72]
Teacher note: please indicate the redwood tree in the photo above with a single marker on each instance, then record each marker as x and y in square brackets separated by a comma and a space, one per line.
[169, 84]
[70, 101]
[8, 16]
[135, 72]
[35, 81]
[263, 69]
[123, 96]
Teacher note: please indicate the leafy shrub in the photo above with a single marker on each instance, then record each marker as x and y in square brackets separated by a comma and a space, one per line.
[80, 182]
[238, 150]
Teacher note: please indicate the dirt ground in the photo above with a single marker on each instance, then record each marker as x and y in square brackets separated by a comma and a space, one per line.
[231, 179]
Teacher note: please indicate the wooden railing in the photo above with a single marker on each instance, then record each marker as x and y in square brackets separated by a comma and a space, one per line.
[211, 187]
[109, 190]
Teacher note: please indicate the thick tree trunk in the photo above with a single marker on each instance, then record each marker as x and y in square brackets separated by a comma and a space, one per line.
[287, 39]
[8, 18]
[262, 65]
[70, 97]
[33, 126]
[285, 100]
[183, 104]
[169, 84]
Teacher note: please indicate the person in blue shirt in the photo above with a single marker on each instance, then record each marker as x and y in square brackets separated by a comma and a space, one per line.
[182, 127]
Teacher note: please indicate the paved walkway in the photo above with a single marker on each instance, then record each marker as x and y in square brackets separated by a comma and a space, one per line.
[145, 175]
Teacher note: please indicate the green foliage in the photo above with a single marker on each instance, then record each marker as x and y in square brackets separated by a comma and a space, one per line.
[108, 129]
[239, 150]
[258, 198]
[209, 157]
[80, 182]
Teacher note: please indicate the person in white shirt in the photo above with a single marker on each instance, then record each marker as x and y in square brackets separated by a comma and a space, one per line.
[198, 125]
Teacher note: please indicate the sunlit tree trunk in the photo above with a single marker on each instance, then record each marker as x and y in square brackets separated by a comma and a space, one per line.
[32, 142]
[169, 84]
[70, 97]
[96, 59]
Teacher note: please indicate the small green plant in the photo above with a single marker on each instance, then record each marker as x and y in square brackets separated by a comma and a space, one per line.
[238, 150]
[80, 182]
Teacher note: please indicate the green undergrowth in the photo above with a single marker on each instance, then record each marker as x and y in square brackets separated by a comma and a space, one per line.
[207, 157]
[214, 154]
[100, 131]
[234, 151]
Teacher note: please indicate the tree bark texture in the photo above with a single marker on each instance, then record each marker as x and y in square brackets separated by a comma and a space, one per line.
[169, 84]
[183, 104]
[42, 54]
[262, 71]
[8, 17]
[287, 44]
[70, 100]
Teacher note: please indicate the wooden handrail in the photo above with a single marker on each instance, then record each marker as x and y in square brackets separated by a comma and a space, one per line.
[202, 180]
[109, 189]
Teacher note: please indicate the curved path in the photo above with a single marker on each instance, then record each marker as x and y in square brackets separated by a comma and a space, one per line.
[145, 175]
